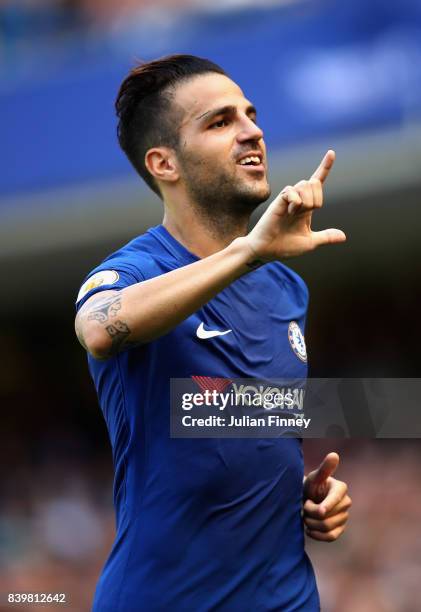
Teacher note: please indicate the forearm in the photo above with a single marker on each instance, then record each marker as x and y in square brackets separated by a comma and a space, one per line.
[142, 312]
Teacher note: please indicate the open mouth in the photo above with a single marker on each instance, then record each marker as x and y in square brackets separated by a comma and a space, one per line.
[252, 162]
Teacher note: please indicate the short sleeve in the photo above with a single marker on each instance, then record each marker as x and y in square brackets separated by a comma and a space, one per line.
[111, 275]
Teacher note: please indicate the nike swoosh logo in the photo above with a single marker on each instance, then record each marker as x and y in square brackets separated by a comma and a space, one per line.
[204, 334]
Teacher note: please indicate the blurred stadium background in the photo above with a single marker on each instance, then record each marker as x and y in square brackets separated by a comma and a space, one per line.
[322, 74]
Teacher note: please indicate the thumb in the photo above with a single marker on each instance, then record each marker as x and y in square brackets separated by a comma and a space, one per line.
[327, 467]
[328, 236]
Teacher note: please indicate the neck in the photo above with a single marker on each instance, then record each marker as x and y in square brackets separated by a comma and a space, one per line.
[203, 234]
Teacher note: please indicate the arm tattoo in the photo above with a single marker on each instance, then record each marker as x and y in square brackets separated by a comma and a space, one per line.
[105, 310]
[118, 333]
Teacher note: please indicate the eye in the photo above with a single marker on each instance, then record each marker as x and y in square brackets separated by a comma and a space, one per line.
[219, 124]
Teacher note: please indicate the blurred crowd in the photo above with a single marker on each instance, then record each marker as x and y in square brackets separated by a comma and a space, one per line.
[40, 34]
[60, 16]
[20, 19]
[56, 528]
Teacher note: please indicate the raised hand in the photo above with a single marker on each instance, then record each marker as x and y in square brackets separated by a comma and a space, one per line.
[284, 230]
[326, 502]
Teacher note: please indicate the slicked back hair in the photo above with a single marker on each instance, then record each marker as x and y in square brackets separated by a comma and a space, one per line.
[145, 109]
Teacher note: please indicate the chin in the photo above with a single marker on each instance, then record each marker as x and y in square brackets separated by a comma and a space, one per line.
[256, 195]
[265, 192]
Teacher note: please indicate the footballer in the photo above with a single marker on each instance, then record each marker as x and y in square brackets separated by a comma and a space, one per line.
[209, 524]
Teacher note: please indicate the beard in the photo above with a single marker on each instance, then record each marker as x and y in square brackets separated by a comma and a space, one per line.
[222, 198]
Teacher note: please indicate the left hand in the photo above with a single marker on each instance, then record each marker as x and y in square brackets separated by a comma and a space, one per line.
[326, 502]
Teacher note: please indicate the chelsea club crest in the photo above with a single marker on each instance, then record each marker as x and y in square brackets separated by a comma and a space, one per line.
[296, 340]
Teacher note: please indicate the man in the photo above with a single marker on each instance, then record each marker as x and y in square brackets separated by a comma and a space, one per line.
[204, 524]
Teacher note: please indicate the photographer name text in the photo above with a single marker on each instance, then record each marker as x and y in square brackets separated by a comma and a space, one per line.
[246, 421]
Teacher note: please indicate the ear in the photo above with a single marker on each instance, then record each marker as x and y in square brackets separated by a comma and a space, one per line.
[162, 164]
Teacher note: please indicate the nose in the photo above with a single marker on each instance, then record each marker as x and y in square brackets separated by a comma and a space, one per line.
[249, 130]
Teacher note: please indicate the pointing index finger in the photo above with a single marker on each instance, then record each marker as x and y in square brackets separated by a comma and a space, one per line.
[326, 164]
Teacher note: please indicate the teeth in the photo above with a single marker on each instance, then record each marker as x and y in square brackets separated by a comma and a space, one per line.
[250, 160]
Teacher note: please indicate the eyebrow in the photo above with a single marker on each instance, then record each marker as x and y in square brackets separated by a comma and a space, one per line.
[224, 110]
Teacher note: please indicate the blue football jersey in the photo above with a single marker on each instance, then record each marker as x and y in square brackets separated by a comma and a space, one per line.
[210, 524]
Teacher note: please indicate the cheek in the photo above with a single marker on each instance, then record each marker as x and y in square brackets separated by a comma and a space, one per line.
[218, 145]
[210, 158]
[214, 164]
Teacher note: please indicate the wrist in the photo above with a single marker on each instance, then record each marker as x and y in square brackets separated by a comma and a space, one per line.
[251, 259]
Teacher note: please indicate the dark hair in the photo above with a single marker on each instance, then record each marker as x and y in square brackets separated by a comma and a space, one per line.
[145, 109]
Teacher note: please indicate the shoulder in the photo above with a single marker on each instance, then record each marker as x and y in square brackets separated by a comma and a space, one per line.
[132, 263]
[136, 257]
